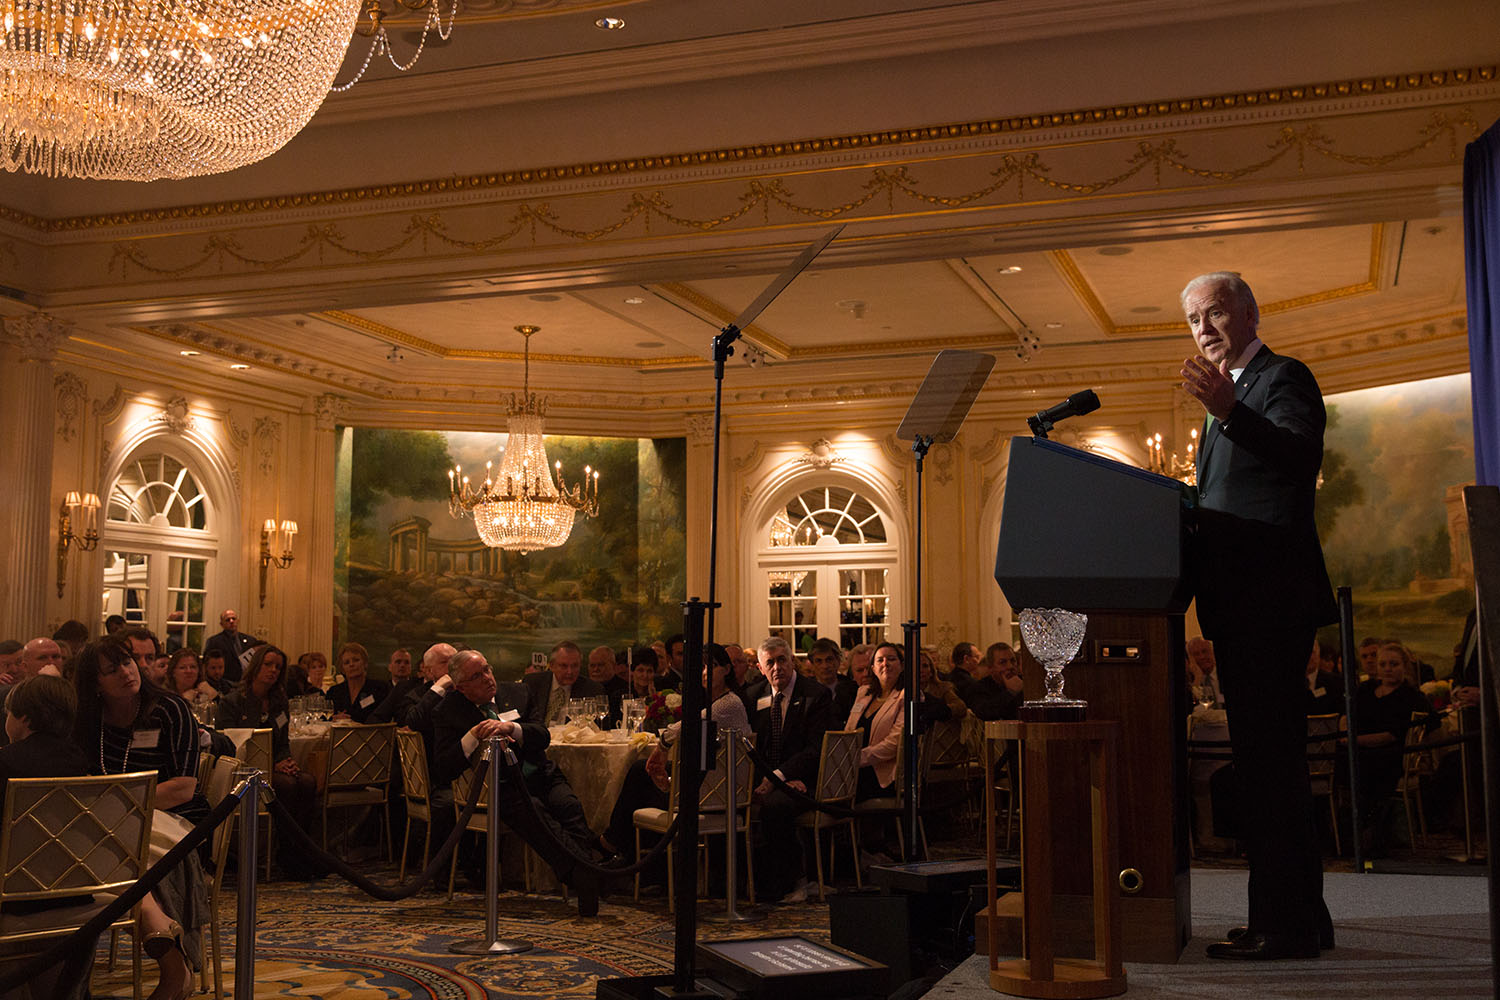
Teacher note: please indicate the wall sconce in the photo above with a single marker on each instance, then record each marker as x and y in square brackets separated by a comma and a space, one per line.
[85, 514]
[282, 540]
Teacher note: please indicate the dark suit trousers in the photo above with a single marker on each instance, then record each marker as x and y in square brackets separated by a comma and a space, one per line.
[1265, 694]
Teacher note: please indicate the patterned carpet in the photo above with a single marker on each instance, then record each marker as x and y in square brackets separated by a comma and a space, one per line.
[328, 940]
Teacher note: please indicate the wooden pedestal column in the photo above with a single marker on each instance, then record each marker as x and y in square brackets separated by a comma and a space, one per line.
[1041, 971]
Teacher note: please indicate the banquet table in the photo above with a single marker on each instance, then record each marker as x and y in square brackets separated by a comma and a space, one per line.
[595, 764]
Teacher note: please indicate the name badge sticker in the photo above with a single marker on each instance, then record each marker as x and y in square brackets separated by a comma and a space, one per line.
[281, 720]
[367, 701]
[145, 738]
[1319, 692]
[763, 704]
[510, 716]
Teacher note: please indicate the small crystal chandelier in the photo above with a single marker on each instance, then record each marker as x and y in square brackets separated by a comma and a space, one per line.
[521, 508]
[1184, 469]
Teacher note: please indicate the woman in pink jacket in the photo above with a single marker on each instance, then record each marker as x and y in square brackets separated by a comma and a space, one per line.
[878, 710]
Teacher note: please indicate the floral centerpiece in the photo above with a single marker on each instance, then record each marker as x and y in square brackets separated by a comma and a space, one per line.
[664, 709]
[1438, 693]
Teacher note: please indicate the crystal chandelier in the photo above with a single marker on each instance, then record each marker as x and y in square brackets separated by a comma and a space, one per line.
[1184, 469]
[148, 89]
[520, 508]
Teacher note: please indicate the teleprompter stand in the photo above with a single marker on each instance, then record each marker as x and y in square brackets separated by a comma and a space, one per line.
[934, 417]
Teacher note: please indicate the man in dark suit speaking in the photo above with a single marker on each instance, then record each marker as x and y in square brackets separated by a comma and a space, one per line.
[1262, 592]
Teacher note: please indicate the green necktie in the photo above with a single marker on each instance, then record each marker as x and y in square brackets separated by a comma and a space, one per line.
[490, 711]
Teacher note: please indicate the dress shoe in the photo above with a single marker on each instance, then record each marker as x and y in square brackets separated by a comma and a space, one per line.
[586, 885]
[1325, 936]
[1257, 947]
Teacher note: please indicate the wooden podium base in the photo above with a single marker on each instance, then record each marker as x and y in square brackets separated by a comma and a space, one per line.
[1072, 979]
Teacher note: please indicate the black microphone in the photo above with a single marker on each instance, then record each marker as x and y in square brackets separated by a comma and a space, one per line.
[1075, 405]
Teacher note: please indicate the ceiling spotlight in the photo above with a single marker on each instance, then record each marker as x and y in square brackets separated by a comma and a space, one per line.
[240, 367]
[754, 356]
[1012, 269]
[635, 300]
[188, 354]
[1027, 344]
[610, 23]
[395, 355]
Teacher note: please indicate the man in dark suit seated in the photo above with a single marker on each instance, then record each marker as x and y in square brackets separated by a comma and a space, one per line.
[1262, 592]
[550, 690]
[825, 658]
[995, 692]
[477, 709]
[789, 714]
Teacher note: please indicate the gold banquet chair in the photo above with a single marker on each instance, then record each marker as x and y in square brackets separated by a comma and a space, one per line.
[256, 752]
[67, 837]
[480, 822]
[359, 772]
[838, 777]
[219, 784]
[1321, 771]
[417, 789]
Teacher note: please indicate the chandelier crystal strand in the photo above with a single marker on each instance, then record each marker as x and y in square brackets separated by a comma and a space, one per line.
[104, 89]
[521, 508]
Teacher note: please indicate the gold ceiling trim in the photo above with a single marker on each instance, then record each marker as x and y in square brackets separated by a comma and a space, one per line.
[890, 138]
[1006, 339]
[1072, 276]
[720, 312]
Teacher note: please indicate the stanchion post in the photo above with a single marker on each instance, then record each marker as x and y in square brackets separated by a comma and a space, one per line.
[491, 943]
[732, 913]
[1345, 598]
[244, 928]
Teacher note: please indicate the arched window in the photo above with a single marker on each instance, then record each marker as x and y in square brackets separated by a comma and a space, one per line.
[825, 563]
[159, 548]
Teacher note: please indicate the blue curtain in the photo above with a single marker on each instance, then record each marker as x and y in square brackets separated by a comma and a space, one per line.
[1482, 265]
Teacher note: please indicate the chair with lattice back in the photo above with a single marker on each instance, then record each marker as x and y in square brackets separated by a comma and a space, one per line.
[948, 761]
[256, 752]
[1320, 765]
[63, 839]
[838, 777]
[1415, 762]
[359, 771]
[216, 787]
[890, 805]
[416, 787]
[480, 822]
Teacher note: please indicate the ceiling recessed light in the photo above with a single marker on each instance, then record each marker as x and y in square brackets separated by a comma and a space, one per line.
[1115, 251]
[240, 368]
[610, 23]
[1146, 309]
[1054, 326]
[635, 300]
[1200, 227]
[544, 297]
[1012, 269]
[188, 354]
[650, 343]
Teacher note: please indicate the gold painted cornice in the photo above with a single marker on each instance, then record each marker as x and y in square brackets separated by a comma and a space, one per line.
[771, 152]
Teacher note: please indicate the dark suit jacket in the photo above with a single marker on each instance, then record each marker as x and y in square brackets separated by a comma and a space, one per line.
[393, 707]
[456, 715]
[1256, 560]
[231, 645]
[359, 711]
[843, 692]
[808, 717]
[1332, 698]
[42, 756]
[539, 690]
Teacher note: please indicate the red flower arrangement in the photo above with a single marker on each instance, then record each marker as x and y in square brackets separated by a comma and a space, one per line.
[664, 709]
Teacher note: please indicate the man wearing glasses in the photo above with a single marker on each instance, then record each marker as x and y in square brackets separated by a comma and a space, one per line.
[478, 709]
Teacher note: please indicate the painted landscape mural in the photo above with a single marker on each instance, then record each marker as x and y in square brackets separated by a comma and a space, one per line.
[408, 574]
[1390, 511]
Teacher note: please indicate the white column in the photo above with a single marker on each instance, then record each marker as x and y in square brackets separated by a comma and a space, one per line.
[26, 505]
[321, 534]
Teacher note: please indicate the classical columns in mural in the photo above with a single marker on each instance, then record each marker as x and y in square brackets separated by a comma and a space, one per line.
[26, 508]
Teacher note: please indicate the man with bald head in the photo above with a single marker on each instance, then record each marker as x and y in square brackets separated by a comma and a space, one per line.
[1262, 592]
[231, 641]
[39, 656]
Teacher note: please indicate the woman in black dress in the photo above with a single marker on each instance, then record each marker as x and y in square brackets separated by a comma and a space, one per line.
[356, 696]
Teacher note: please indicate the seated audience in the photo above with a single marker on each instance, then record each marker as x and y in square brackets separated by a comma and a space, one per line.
[1325, 690]
[393, 706]
[942, 705]
[213, 671]
[997, 689]
[550, 690]
[113, 624]
[1203, 672]
[356, 696]
[1383, 709]
[185, 679]
[468, 716]
[643, 673]
[39, 720]
[259, 701]
[790, 714]
[878, 712]
[824, 658]
[72, 635]
[126, 723]
[744, 665]
[964, 656]
[647, 782]
[859, 664]
[10, 661]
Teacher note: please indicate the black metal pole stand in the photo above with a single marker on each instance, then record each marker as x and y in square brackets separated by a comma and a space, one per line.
[1351, 679]
[913, 629]
[723, 348]
[694, 759]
